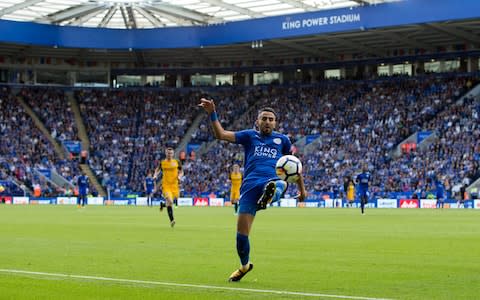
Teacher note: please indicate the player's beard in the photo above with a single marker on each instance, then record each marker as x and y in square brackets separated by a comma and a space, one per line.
[266, 130]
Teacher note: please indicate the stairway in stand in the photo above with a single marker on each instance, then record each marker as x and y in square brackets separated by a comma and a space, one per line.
[82, 134]
[56, 146]
[93, 179]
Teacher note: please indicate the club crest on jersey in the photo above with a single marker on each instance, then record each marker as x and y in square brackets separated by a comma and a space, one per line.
[265, 151]
[277, 141]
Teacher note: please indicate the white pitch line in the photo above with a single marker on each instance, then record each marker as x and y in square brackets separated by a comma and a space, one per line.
[198, 286]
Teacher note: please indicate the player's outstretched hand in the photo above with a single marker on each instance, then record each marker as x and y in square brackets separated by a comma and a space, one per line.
[207, 104]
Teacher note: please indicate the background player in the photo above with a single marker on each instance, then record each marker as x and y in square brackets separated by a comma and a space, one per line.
[171, 170]
[260, 186]
[82, 185]
[350, 188]
[363, 180]
[150, 187]
[440, 193]
[463, 196]
[236, 180]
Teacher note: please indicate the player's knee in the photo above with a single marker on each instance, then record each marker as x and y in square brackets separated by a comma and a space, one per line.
[244, 224]
[281, 184]
[242, 230]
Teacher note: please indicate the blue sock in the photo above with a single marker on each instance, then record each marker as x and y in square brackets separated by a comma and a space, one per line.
[243, 248]
[280, 188]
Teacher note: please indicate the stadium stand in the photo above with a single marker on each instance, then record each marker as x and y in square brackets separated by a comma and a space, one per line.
[356, 122]
[359, 122]
[24, 150]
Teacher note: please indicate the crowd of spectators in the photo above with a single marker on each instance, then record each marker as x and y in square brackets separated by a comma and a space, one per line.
[47, 102]
[24, 148]
[110, 118]
[454, 156]
[129, 130]
[370, 125]
[52, 107]
[232, 103]
[163, 120]
[357, 123]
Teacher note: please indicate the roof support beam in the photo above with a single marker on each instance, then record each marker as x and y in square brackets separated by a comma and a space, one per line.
[300, 4]
[177, 20]
[353, 45]
[295, 46]
[466, 36]
[183, 13]
[150, 17]
[131, 17]
[197, 53]
[235, 8]
[362, 2]
[85, 18]
[140, 58]
[74, 12]
[403, 38]
[18, 6]
[108, 16]
[260, 53]
[124, 16]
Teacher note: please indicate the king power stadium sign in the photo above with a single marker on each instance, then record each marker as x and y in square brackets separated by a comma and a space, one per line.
[321, 21]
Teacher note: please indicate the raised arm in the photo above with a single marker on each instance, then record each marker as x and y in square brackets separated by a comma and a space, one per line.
[180, 170]
[218, 130]
[157, 172]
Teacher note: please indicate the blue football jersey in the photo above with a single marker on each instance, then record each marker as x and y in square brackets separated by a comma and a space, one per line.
[440, 189]
[363, 179]
[149, 184]
[82, 184]
[261, 155]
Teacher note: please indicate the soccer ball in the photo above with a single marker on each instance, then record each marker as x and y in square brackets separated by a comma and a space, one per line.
[289, 168]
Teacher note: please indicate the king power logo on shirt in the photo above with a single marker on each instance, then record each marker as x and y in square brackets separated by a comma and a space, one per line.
[265, 151]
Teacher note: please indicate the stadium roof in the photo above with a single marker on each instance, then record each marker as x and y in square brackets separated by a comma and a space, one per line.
[159, 13]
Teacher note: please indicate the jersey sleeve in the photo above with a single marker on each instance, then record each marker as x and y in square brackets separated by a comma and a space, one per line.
[243, 137]
[287, 146]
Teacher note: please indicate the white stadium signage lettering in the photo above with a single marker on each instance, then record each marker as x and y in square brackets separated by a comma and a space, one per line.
[216, 201]
[320, 21]
[386, 203]
[185, 201]
[20, 200]
[428, 203]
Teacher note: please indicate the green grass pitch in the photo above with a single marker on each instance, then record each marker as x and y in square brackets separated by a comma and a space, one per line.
[388, 253]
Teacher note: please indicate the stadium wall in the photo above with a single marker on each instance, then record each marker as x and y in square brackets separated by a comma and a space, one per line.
[404, 203]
